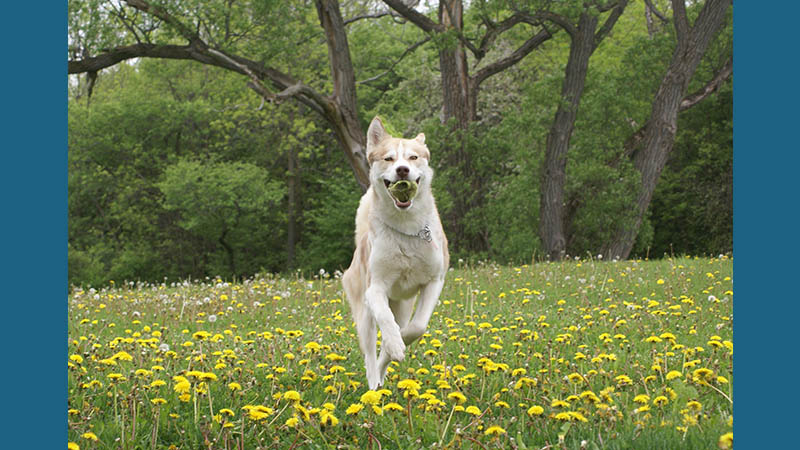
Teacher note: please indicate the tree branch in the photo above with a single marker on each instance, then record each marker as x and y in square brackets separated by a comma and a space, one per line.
[493, 30]
[369, 16]
[513, 58]
[687, 102]
[164, 15]
[557, 19]
[680, 19]
[712, 86]
[654, 10]
[422, 21]
[190, 52]
[407, 51]
[610, 22]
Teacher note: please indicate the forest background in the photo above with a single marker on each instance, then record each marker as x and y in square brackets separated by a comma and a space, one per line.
[225, 138]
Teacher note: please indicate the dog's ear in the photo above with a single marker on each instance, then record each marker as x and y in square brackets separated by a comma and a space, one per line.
[420, 138]
[376, 133]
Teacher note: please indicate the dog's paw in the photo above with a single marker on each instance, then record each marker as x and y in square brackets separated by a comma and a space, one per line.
[395, 349]
[374, 383]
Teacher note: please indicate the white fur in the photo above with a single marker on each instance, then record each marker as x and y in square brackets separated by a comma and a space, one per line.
[391, 266]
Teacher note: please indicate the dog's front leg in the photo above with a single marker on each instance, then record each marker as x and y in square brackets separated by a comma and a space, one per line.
[428, 297]
[365, 327]
[377, 303]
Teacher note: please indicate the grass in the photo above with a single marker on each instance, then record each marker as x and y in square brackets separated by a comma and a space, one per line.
[579, 354]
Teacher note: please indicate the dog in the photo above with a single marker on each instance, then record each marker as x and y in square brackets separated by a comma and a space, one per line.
[401, 254]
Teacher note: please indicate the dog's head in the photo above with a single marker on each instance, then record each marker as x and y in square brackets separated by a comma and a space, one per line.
[394, 159]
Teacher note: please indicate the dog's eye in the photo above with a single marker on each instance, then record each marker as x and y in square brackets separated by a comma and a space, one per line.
[388, 158]
[413, 157]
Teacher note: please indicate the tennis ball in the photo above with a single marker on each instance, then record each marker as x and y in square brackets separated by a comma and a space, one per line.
[403, 190]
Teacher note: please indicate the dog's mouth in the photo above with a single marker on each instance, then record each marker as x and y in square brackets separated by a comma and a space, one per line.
[402, 192]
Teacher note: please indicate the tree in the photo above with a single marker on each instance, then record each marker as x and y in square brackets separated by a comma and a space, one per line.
[459, 88]
[216, 200]
[649, 147]
[207, 39]
[585, 38]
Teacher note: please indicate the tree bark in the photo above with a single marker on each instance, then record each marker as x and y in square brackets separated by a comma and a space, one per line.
[585, 39]
[458, 101]
[344, 118]
[293, 187]
[658, 136]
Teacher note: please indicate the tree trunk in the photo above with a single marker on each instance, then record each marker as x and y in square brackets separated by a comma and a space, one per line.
[292, 208]
[551, 217]
[228, 252]
[652, 152]
[458, 101]
[344, 117]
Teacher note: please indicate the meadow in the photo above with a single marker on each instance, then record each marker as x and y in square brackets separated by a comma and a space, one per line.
[586, 354]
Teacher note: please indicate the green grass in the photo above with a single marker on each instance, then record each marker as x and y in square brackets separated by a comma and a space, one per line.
[506, 338]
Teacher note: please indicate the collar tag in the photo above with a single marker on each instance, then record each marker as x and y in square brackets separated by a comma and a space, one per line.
[425, 234]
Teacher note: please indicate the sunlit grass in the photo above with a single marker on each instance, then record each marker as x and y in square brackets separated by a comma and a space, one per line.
[577, 354]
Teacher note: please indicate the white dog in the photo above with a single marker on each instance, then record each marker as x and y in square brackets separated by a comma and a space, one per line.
[401, 252]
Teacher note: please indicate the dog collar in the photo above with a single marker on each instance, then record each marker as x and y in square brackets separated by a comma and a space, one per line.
[424, 233]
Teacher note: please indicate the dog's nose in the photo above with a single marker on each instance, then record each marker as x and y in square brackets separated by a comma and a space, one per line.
[402, 172]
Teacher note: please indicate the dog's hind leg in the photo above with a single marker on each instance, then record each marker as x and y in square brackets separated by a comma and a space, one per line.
[402, 310]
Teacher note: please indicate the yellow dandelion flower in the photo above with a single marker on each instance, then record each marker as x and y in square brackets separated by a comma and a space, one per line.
[392, 407]
[334, 357]
[642, 398]
[457, 396]
[292, 422]
[73, 446]
[574, 415]
[535, 410]
[661, 400]
[227, 411]
[672, 374]
[556, 403]
[409, 384]
[473, 410]
[502, 404]
[725, 441]
[182, 387]
[562, 416]
[575, 378]
[494, 429]
[329, 406]
[122, 356]
[326, 418]
[694, 405]
[158, 401]
[354, 409]
[89, 435]
[291, 395]
[370, 398]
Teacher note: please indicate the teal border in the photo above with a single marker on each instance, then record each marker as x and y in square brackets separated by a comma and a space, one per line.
[765, 225]
[34, 225]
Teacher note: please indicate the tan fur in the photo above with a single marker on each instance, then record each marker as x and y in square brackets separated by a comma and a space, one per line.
[393, 269]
